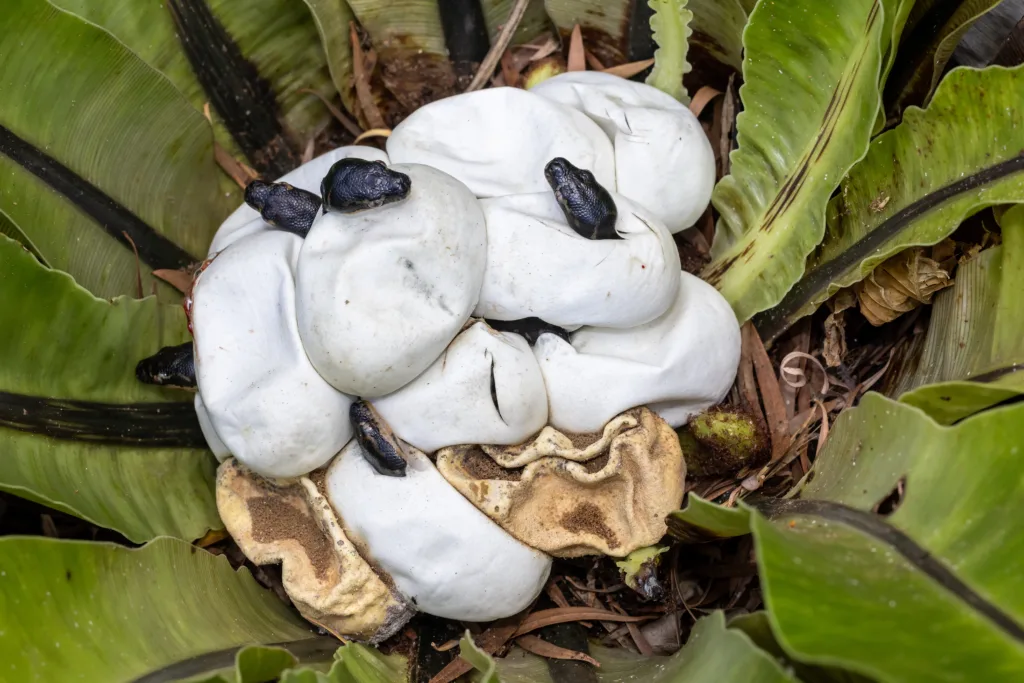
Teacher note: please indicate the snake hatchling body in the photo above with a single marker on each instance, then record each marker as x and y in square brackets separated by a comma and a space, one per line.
[529, 329]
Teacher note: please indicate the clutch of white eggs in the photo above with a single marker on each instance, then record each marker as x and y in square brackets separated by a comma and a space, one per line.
[379, 304]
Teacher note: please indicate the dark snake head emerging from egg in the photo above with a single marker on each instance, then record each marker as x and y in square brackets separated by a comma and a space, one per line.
[283, 206]
[357, 184]
[171, 366]
[379, 444]
[589, 209]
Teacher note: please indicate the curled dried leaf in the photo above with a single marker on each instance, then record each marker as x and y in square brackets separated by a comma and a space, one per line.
[901, 284]
[563, 615]
[181, 280]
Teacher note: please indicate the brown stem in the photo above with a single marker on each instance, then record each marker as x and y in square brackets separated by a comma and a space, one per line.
[490, 62]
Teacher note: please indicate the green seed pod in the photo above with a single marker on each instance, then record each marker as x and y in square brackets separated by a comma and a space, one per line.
[723, 440]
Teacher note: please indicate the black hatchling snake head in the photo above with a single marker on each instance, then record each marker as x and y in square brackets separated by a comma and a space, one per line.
[283, 206]
[589, 209]
[357, 184]
[379, 444]
[172, 366]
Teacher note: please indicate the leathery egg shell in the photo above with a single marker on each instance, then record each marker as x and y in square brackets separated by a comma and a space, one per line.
[537, 266]
[498, 140]
[262, 397]
[663, 159]
[683, 362]
[485, 388]
[381, 292]
[440, 551]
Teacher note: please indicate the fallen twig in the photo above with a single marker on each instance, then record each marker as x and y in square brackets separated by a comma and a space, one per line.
[349, 125]
[444, 647]
[372, 133]
[641, 642]
[504, 39]
[236, 170]
[771, 394]
[556, 594]
[491, 641]
[745, 378]
[508, 69]
[726, 123]
[611, 589]
[799, 340]
[179, 279]
[823, 433]
[138, 263]
[541, 47]
[593, 61]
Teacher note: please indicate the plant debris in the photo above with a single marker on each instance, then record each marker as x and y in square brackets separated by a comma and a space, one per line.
[543, 648]
[904, 282]
[640, 571]
[362, 67]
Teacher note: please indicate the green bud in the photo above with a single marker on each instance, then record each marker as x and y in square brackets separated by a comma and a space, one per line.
[640, 571]
[723, 440]
[542, 70]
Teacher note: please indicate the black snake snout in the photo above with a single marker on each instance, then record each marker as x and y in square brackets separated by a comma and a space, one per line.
[589, 208]
[379, 444]
[357, 184]
[283, 206]
[172, 366]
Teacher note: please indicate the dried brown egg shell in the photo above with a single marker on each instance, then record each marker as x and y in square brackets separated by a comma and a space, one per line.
[576, 495]
[292, 524]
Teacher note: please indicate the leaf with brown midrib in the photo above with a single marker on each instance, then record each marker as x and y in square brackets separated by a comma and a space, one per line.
[810, 97]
